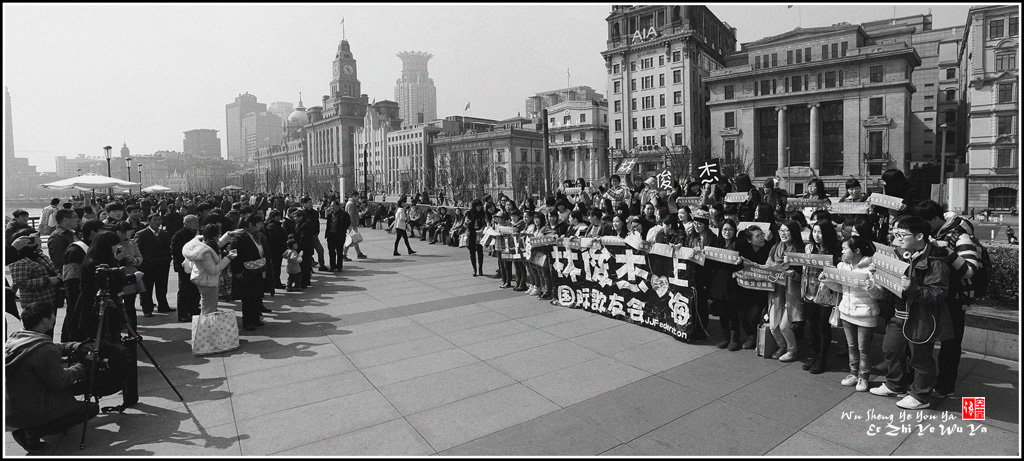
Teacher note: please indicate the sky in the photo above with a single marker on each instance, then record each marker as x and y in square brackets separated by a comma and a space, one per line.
[83, 76]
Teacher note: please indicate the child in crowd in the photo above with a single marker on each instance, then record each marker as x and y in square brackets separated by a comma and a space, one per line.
[294, 258]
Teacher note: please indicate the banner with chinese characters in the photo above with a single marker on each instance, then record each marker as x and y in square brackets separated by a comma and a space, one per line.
[513, 246]
[649, 288]
[816, 204]
[845, 277]
[886, 201]
[889, 282]
[736, 197]
[765, 227]
[809, 260]
[664, 180]
[722, 255]
[881, 248]
[688, 201]
[888, 272]
[850, 208]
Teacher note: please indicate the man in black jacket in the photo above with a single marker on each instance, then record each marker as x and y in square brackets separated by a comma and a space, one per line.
[188, 292]
[278, 239]
[305, 235]
[173, 220]
[338, 222]
[155, 246]
[248, 281]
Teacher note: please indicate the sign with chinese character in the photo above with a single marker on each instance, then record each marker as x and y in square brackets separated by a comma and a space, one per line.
[759, 285]
[890, 264]
[514, 246]
[626, 166]
[845, 277]
[816, 204]
[689, 254]
[809, 260]
[664, 180]
[886, 201]
[505, 230]
[850, 208]
[889, 282]
[722, 255]
[736, 197]
[573, 191]
[881, 248]
[689, 201]
[710, 171]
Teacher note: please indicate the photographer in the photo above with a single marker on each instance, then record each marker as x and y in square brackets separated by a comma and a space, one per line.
[34, 275]
[36, 395]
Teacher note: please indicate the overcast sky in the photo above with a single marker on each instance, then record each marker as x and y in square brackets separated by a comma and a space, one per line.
[85, 76]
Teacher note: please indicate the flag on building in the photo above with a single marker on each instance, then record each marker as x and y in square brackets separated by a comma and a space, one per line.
[789, 6]
[567, 72]
[467, 107]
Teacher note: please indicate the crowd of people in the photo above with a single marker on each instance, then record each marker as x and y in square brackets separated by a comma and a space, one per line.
[233, 247]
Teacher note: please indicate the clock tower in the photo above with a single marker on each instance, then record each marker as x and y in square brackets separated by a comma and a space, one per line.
[345, 82]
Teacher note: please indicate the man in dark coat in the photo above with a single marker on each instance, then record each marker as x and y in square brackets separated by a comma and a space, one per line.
[188, 292]
[305, 235]
[173, 220]
[248, 282]
[278, 238]
[155, 246]
[338, 222]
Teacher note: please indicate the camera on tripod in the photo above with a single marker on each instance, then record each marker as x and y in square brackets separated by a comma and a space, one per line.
[115, 281]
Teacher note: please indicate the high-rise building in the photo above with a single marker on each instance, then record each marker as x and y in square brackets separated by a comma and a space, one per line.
[537, 103]
[20, 177]
[233, 134]
[260, 129]
[990, 107]
[331, 130]
[371, 143]
[415, 92]
[202, 142]
[658, 59]
[282, 109]
[828, 102]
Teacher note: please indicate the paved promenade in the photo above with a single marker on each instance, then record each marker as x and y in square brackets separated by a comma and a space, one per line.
[411, 355]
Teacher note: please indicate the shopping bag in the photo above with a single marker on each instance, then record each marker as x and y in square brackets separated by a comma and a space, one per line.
[766, 345]
[487, 240]
[214, 332]
[463, 240]
[834, 319]
[353, 237]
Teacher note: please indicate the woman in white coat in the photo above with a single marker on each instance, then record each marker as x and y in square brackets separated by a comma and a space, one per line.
[206, 264]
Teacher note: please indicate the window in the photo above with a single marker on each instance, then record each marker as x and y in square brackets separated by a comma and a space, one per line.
[634, 141]
[807, 54]
[618, 106]
[757, 62]
[766, 87]
[830, 79]
[730, 120]
[929, 96]
[618, 125]
[583, 118]
[1012, 26]
[835, 50]
[632, 84]
[678, 118]
[634, 123]
[819, 81]
[1005, 62]
[995, 28]
[796, 83]
[875, 107]
[824, 52]
[1004, 158]
[1005, 125]
[789, 57]
[677, 97]
[617, 86]
[950, 95]
[775, 59]
[677, 76]
[618, 143]
[661, 60]
[730, 92]
[566, 137]
[647, 82]
[876, 74]
[661, 99]
[678, 139]
[1005, 92]
[675, 56]
[846, 45]
[950, 73]
[552, 121]
[663, 120]
[929, 107]
[632, 66]
[875, 144]
[1002, 198]
[662, 140]
[661, 79]
[950, 117]
[730, 150]
[615, 69]
[799, 56]
[632, 104]
[566, 119]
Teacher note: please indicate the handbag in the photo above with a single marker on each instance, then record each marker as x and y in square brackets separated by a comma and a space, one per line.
[255, 264]
[766, 345]
[826, 296]
[353, 238]
[834, 319]
[214, 332]
[463, 241]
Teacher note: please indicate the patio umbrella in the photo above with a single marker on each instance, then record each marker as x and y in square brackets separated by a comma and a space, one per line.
[89, 181]
[156, 188]
[232, 187]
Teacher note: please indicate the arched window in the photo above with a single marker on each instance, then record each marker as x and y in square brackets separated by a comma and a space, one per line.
[615, 30]
[1002, 198]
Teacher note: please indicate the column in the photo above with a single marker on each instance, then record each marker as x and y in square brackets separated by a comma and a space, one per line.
[815, 136]
[783, 129]
[577, 163]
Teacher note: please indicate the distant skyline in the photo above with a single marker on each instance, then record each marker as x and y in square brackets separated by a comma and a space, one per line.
[85, 76]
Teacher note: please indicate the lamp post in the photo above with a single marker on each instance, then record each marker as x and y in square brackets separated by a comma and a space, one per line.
[140, 176]
[106, 152]
[128, 166]
[942, 162]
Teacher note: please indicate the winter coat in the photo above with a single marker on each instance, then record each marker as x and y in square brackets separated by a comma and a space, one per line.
[723, 286]
[36, 390]
[858, 305]
[206, 263]
[924, 303]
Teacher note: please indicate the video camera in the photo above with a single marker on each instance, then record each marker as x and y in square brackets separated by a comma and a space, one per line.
[112, 363]
[115, 281]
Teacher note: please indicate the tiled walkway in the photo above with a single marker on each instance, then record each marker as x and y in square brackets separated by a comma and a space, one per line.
[411, 355]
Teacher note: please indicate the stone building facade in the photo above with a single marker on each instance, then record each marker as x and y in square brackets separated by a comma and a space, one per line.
[504, 160]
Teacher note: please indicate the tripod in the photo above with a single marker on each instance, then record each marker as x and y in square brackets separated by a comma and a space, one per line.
[103, 302]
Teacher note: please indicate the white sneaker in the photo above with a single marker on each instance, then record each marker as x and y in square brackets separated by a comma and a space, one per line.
[884, 391]
[532, 291]
[849, 380]
[910, 403]
[789, 356]
[862, 385]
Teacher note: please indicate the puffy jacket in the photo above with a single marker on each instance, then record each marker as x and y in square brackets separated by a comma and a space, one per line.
[859, 305]
[36, 387]
[206, 264]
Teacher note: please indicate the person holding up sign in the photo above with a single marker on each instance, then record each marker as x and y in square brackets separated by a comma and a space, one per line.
[858, 309]
[785, 306]
[724, 291]
[921, 318]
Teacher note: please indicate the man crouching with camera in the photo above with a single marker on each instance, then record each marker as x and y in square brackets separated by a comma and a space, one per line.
[37, 395]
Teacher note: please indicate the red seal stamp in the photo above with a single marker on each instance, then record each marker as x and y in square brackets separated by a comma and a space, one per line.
[973, 408]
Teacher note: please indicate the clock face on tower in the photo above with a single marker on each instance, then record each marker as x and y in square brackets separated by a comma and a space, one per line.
[349, 70]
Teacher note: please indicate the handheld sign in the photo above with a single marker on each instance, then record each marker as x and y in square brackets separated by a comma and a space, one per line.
[809, 260]
[759, 272]
[505, 230]
[893, 266]
[612, 240]
[758, 285]
[690, 254]
[722, 255]
[541, 241]
[886, 201]
[845, 277]
[664, 180]
[887, 250]
[573, 190]
[889, 281]
[661, 249]
[710, 171]
[736, 197]
[765, 227]
[688, 201]
[850, 208]
[817, 204]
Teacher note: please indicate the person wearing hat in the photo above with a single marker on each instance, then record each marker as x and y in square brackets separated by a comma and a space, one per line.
[701, 236]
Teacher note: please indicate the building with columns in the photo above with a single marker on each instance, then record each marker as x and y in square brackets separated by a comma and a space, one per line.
[414, 91]
[537, 103]
[371, 144]
[578, 140]
[990, 108]
[825, 101]
[330, 135]
[658, 59]
[501, 160]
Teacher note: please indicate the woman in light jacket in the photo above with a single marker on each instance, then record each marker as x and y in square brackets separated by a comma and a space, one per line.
[203, 252]
[858, 309]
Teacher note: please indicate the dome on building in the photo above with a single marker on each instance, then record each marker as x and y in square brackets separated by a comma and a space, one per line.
[298, 117]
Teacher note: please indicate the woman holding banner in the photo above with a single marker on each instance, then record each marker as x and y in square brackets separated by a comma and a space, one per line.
[784, 306]
[724, 292]
[819, 300]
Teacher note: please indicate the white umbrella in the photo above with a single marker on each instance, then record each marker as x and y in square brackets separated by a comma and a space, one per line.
[156, 188]
[89, 181]
[232, 187]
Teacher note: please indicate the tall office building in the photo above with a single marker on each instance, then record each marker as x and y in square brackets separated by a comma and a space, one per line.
[415, 92]
[259, 130]
[202, 142]
[233, 134]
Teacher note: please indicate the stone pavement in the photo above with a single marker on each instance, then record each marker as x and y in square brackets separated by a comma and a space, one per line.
[411, 355]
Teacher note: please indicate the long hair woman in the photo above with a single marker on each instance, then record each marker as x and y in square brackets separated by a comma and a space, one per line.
[818, 299]
[785, 307]
[724, 292]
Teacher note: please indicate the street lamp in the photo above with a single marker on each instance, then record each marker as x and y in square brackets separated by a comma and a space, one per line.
[140, 176]
[128, 166]
[106, 152]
